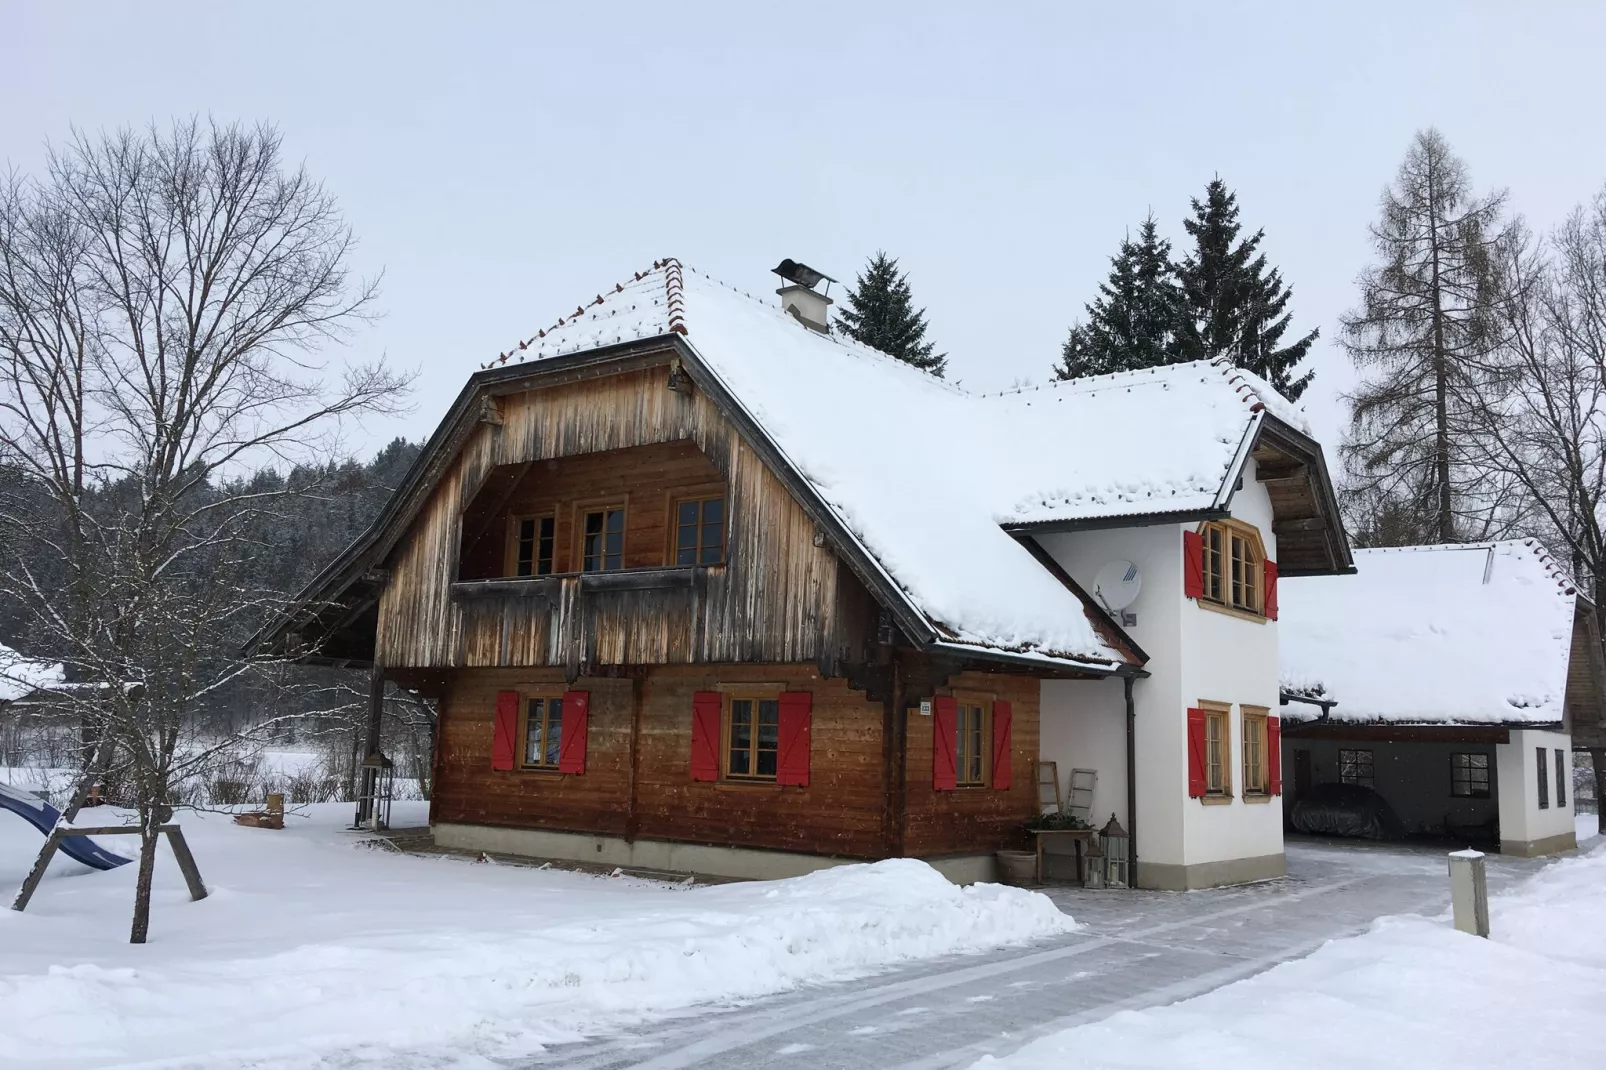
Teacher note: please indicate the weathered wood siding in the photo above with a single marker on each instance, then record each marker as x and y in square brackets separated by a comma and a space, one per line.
[841, 812]
[779, 598]
[970, 819]
[838, 813]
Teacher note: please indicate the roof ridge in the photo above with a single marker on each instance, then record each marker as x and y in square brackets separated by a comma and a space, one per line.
[1565, 584]
[1241, 385]
[674, 294]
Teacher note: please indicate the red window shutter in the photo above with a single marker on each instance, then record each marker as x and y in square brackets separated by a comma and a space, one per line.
[1196, 753]
[1003, 745]
[505, 730]
[706, 709]
[1274, 756]
[576, 715]
[1271, 590]
[944, 722]
[796, 720]
[1192, 564]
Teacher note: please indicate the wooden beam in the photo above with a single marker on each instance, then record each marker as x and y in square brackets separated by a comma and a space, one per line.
[1303, 523]
[1397, 733]
[1296, 473]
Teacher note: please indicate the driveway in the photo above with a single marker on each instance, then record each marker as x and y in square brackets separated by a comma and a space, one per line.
[1137, 949]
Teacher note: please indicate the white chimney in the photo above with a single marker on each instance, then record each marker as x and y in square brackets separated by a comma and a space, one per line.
[800, 298]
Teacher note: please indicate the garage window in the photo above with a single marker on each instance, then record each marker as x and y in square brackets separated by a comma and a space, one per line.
[1469, 776]
[1355, 767]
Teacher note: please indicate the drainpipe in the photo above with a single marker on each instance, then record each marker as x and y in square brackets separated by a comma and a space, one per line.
[1131, 784]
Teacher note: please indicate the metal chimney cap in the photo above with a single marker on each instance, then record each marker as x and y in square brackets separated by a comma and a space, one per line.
[802, 274]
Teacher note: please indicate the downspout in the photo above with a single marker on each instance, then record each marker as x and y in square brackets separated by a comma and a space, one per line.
[1131, 783]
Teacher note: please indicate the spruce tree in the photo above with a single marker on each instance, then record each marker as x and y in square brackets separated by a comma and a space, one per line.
[1420, 339]
[1237, 307]
[879, 312]
[1136, 320]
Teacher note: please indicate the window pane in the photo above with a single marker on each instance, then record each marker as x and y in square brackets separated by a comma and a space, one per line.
[769, 716]
[615, 542]
[554, 730]
[686, 556]
[532, 731]
[616, 520]
[710, 534]
[686, 537]
[686, 515]
[593, 523]
[714, 511]
[741, 738]
[612, 563]
[710, 555]
[544, 550]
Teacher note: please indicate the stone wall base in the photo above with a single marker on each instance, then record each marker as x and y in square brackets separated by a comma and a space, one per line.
[742, 863]
[1533, 848]
[1168, 877]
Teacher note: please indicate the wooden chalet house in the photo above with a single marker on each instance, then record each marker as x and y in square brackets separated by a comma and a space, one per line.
[700, 586]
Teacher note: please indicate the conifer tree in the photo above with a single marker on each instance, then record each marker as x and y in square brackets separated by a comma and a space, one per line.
[1420, 339]
[879, 312]
[1237, 307]
[1136, 319]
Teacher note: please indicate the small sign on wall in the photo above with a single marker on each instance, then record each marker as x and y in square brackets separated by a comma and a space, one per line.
[925, 707]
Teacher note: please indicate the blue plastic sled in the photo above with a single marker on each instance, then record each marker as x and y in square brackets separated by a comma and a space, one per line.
[42, 816]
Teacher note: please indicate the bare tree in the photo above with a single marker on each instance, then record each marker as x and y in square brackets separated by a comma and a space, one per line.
[1418, 337]
[164, 296]
[1541, 398]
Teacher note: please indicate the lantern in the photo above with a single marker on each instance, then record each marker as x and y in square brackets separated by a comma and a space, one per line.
[1116, 846]
[1093, 865]
[378, 788]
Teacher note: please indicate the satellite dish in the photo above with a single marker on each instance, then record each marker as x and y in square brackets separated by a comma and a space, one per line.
[1117, 585]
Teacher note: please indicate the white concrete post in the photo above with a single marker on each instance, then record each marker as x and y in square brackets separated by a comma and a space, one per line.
[1469, 892]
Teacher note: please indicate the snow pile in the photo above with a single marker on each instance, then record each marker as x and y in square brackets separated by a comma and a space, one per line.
[20, 676]
[1425, 634]
[1411, 994]
[311, 952]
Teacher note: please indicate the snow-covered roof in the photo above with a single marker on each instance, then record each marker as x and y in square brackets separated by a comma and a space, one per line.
[21, 676]
[1469, 634]
[923, 473]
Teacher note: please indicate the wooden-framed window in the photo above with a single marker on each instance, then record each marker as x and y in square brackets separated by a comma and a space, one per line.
[1234, 565]
[1218, 750]
[700, 530]
[1469, 776]
[752, 737]
[1544, 779]
[602, 539]
[970, 746]
[1355, 767]
[541, 731]
[1256, 751]
[533, 544]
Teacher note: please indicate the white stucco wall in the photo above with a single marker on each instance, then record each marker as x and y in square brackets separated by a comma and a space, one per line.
[1521, 819]
[1195, 654]
[1084, 727]
[1093, 713]
[1229, 659]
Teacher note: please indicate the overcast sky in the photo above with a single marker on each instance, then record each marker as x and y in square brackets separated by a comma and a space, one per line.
[503, 162]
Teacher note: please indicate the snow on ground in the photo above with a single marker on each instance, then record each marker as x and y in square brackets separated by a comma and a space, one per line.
[1586, 825]
[1410, 993]
[312, 951]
